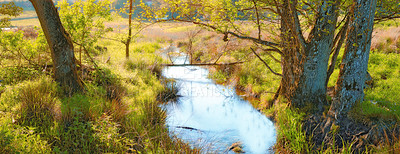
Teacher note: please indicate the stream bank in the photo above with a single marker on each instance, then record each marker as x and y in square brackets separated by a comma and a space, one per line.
[212, 116]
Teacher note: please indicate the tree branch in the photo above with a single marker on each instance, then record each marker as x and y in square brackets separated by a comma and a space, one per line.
[296, 26]
[265, 63]
[256, 40]
[204, 64]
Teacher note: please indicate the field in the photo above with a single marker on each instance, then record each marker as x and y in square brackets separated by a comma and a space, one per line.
[120, 104]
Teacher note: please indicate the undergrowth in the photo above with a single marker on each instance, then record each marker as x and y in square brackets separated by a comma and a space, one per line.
[118, 112]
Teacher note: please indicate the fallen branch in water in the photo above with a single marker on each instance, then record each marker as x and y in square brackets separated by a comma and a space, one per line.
[204, 64]
[189, 128]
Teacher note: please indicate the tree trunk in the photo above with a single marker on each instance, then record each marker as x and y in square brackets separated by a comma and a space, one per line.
[128, 41]
[349, 88]
[62, 53]
[305, 63]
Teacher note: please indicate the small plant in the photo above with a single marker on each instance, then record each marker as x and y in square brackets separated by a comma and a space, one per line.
[170, 91]
[76, 136]
[17, 139]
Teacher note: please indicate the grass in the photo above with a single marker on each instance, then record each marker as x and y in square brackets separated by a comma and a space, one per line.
[18, 139]
[291, 137]
[117, 113]
[381, 100]
[27, 22]
[175, 29]
[388, 24]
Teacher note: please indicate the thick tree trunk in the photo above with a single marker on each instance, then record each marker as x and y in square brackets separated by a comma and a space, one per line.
[349, 88]
[305, 63]
[61, 46]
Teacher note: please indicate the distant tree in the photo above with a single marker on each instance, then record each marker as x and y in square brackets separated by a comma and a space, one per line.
[135, 24]
[61, 46]
[128, 40]
[8, 9]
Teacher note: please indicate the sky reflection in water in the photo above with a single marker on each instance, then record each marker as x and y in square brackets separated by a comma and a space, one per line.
[219, 116]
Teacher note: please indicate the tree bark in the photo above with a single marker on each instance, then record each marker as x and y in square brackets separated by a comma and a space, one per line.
[304, 62]
[349, 88]
[62, 53]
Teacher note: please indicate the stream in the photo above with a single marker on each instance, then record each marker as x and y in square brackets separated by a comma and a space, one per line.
[212, 116]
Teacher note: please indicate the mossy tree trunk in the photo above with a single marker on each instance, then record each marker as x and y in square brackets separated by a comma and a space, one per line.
[62, 49]
[304, 62]
[349, 88]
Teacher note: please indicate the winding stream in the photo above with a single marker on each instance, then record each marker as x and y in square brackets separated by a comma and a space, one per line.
[212, 116]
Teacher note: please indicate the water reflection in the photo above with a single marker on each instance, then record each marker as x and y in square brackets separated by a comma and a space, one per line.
[213, 116]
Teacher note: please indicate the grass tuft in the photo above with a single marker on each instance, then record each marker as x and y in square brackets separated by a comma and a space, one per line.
[291, 138]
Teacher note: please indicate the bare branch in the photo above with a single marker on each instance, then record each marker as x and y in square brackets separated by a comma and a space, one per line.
[256, 40]
[311, 6]
[265, 63]
[385, 18]
[222, 52]
[296, 26]
[270, 55]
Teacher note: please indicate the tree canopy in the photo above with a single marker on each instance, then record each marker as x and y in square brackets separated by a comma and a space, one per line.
[8, 9]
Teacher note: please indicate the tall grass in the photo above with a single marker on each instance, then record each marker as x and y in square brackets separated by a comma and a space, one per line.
[291, 137]
[118, 111]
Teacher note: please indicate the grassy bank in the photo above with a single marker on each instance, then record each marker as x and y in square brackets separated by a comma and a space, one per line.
[118, 112]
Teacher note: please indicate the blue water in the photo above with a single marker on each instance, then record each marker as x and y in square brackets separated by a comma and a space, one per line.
[217, 115]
